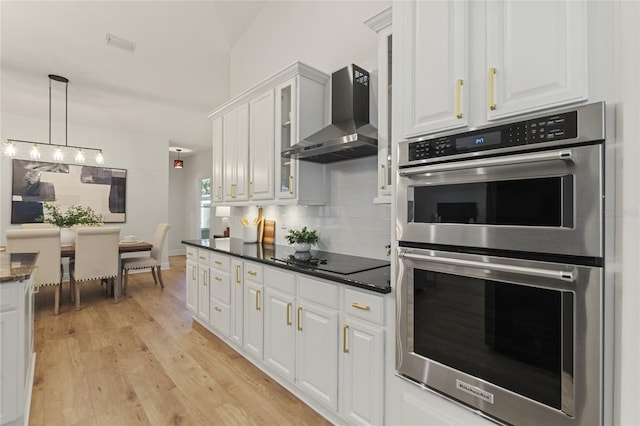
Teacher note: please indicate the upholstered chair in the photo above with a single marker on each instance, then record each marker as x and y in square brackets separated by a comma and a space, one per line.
[153, 261]
[46, 241]
[96, 257]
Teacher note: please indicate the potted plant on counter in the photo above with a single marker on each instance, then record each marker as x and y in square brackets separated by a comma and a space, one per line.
[74, 215]
[302, 239]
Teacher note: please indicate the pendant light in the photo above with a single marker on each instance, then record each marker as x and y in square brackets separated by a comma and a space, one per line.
[178, 164]
[58, 155]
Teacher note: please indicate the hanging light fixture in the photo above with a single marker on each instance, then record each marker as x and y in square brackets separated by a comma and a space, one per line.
[58, 155]
[178, 164]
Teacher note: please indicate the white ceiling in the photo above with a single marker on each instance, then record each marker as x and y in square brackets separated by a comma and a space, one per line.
[177, 74]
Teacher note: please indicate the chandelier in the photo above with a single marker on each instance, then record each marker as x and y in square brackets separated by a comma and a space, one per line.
[58, 155]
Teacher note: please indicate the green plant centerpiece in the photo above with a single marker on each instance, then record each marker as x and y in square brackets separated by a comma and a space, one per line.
[302, 239]
[74, 215]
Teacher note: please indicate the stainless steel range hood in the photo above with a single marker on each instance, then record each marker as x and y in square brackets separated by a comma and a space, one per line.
[349, 135]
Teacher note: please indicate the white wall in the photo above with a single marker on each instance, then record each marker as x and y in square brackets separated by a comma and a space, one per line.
[327, 35]
[144, 155]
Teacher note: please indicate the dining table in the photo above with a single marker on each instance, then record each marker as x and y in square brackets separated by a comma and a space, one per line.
[123, 247]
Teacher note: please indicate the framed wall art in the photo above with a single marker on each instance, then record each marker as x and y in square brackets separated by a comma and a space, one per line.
[35, 182]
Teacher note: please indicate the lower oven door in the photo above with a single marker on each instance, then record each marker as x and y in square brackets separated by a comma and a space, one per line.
[516, 202]
[519, 340]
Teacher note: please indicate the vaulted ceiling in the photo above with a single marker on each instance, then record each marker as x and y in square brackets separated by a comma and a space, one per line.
[178, 72]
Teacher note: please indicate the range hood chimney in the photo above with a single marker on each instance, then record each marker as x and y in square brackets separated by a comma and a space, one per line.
[349, 135]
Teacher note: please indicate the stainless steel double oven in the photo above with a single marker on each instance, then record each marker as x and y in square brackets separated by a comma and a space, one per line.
[500, 288]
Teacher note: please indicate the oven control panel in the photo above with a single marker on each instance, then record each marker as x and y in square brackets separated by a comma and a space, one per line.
[555, 127]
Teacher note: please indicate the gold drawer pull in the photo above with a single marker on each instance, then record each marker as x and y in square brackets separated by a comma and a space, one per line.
[218, 278]
[237, 274]
[203, 257]
[218, 309]
[257, 300]
[189, 253]
[345, 330]
[254, 273]
[359, 306]
[289, 305]
[300, 318]
[217, 262]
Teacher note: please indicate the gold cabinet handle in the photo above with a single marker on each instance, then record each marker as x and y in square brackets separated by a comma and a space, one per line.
[253, 273]
[257, 300]
[290, 184]
[218, 278]
[359, 306]
[205, 278]
[459, 84]
[202, 257]
[300, 318]
[237, 274]
[189, 253]
[492, 102]
[345, 330]
[218, 262]
[233, 190]
[382, 177]
[289, 305]
[218, 309]
[219, 192]
[250, 189]
[193, 273]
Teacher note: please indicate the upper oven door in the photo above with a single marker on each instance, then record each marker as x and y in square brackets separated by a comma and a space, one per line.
[545, 201]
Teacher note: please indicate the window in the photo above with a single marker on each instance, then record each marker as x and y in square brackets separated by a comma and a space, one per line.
[205, 207]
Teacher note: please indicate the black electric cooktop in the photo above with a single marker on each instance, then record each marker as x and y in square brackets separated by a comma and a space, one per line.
[331, 262]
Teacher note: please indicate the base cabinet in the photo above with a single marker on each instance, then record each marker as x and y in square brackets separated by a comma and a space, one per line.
[16, 351]
[237, 302]
[280, 337]
[192, 280]
[253, 327]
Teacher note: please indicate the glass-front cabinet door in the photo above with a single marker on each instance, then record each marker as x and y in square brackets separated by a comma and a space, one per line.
[287, 135]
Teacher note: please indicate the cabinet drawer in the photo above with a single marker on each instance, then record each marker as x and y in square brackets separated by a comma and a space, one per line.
[203, 256]
[220, 286]
[364, 305]
[280, 279]
[318, 291]
[220, 316]
[220, 262]
[253, 272]
[192, 253]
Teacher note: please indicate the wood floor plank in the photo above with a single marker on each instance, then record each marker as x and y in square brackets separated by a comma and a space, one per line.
[144, 362]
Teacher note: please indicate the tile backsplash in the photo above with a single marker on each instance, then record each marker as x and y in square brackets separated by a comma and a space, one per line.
[348, 223]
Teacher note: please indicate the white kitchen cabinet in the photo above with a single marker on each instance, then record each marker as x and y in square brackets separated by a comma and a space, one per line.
[203, 285]
[262, 147]
[220, 292]
[16, 351]
[317, 339]
[433, 40]
[381, 23]
[536, 55]
[235, 130]
[513, 57]
[363, 358]
[237, 305]
[253, 310]
[192, 280]
[217, 178]
[299, 113]
[279, 329]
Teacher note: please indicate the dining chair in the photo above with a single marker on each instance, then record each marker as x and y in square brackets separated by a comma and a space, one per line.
[153, 261]
[38, 225]
[96, 257]
[46, 241]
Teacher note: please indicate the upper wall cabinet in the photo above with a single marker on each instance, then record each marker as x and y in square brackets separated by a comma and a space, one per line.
[512, 57]
[536, 55]
[251, 130]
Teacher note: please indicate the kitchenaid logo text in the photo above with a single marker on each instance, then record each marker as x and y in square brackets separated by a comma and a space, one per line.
[475, 391]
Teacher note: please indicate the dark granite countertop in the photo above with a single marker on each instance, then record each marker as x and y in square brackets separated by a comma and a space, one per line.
[16, 266]
[376, 279]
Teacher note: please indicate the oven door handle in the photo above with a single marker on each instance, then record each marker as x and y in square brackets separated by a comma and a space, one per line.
[569, 276]
[563, 155]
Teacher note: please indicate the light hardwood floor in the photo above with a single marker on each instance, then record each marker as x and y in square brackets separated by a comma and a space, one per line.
[141, 361]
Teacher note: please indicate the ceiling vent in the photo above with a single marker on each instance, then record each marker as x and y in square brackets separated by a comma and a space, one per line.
[121, 43]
